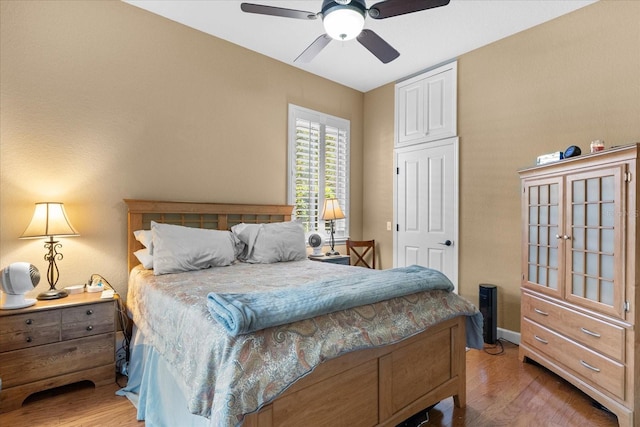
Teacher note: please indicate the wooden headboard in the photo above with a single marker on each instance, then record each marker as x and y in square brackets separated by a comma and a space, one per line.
[214, 216]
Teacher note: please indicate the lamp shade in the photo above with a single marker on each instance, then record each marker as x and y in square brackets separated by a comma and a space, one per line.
[331, 210]
[49, 219]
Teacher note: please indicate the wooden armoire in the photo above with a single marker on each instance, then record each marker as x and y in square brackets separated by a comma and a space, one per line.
[580, 291]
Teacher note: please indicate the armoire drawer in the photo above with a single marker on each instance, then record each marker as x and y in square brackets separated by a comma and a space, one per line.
[591, 366]
[603, 337]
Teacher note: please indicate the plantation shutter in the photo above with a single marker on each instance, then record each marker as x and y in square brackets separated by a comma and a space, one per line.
[336, 171]
[318, 166]
[307, 174]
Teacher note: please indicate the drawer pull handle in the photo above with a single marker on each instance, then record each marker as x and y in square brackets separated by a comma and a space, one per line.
[588, 332]
[542, 340]
[28, 321]
[89, 328]
[586, 365]
[89, 312]
[540, 312]
[29, 339]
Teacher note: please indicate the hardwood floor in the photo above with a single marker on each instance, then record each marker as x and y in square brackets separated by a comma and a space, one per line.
[501, 391]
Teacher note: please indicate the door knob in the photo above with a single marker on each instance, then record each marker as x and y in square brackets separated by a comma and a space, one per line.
[446, 243]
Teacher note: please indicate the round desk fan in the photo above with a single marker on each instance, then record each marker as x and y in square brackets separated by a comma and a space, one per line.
[15, 281]
[315, 240]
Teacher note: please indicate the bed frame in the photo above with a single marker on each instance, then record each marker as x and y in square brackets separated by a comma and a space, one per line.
[375, 387]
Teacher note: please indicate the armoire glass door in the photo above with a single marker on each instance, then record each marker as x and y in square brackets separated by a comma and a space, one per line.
[596, 244]
[544, 214]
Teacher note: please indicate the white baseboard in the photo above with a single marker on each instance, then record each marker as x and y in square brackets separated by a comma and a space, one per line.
[510, 336]
[507, 335]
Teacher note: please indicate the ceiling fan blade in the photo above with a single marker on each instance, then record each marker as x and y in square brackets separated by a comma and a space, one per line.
[277, 11]
[313, 49]
[389, 8]
[376, 45]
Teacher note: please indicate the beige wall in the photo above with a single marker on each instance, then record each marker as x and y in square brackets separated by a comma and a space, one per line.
[103, 101]
[378, 172]
[565, 82]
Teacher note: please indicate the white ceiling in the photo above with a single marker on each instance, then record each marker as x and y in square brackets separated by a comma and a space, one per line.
[424, 39]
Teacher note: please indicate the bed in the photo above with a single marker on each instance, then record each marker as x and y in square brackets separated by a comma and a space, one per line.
[376, 364]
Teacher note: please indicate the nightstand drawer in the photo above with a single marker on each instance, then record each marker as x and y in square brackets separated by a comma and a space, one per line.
[601, 336]
[28, 330]
[29, 365]
[591, 366]
[87, 320]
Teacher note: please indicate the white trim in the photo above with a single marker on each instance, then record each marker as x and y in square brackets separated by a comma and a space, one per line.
[511, 336]
[442, 65]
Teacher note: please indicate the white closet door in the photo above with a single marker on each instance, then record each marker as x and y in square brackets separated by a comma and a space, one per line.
[427, 207]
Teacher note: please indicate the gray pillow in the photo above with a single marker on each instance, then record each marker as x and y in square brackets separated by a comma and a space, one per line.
[269, 243]
[177, 248]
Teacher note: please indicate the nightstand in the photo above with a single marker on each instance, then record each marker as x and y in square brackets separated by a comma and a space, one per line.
[56, 342]
[334, 259]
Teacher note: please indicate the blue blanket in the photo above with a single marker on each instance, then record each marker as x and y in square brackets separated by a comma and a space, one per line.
[241, 313]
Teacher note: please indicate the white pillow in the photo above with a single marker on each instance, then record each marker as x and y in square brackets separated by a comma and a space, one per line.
[274, 242]
[145, 258]
[177, 248]
[146, 238]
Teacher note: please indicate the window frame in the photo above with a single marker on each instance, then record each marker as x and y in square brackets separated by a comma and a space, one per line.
[296, 112]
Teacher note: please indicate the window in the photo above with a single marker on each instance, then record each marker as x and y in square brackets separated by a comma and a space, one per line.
[318, 167]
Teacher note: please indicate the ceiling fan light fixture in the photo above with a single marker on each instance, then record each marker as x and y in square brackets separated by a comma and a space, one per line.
[343, 22]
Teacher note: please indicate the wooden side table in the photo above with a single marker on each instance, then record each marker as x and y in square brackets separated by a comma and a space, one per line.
[54, 343]
[334, 259]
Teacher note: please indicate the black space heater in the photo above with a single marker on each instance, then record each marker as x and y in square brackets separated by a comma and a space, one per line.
[488, 308]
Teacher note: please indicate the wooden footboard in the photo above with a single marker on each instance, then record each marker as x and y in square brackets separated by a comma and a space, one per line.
[376, 387]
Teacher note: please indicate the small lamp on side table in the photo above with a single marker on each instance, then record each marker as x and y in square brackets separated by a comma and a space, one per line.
[49, 220]
[331, 211]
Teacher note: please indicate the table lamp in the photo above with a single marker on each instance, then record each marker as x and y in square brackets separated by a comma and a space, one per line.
[331, 211]
[50, 220]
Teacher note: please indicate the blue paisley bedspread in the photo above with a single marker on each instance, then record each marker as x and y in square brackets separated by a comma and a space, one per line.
[224, 377]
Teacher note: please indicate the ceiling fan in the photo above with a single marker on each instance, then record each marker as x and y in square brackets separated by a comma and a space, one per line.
[344, 20]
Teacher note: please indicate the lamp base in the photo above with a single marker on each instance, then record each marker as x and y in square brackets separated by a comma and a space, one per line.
[53, 294]
[332, 253]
